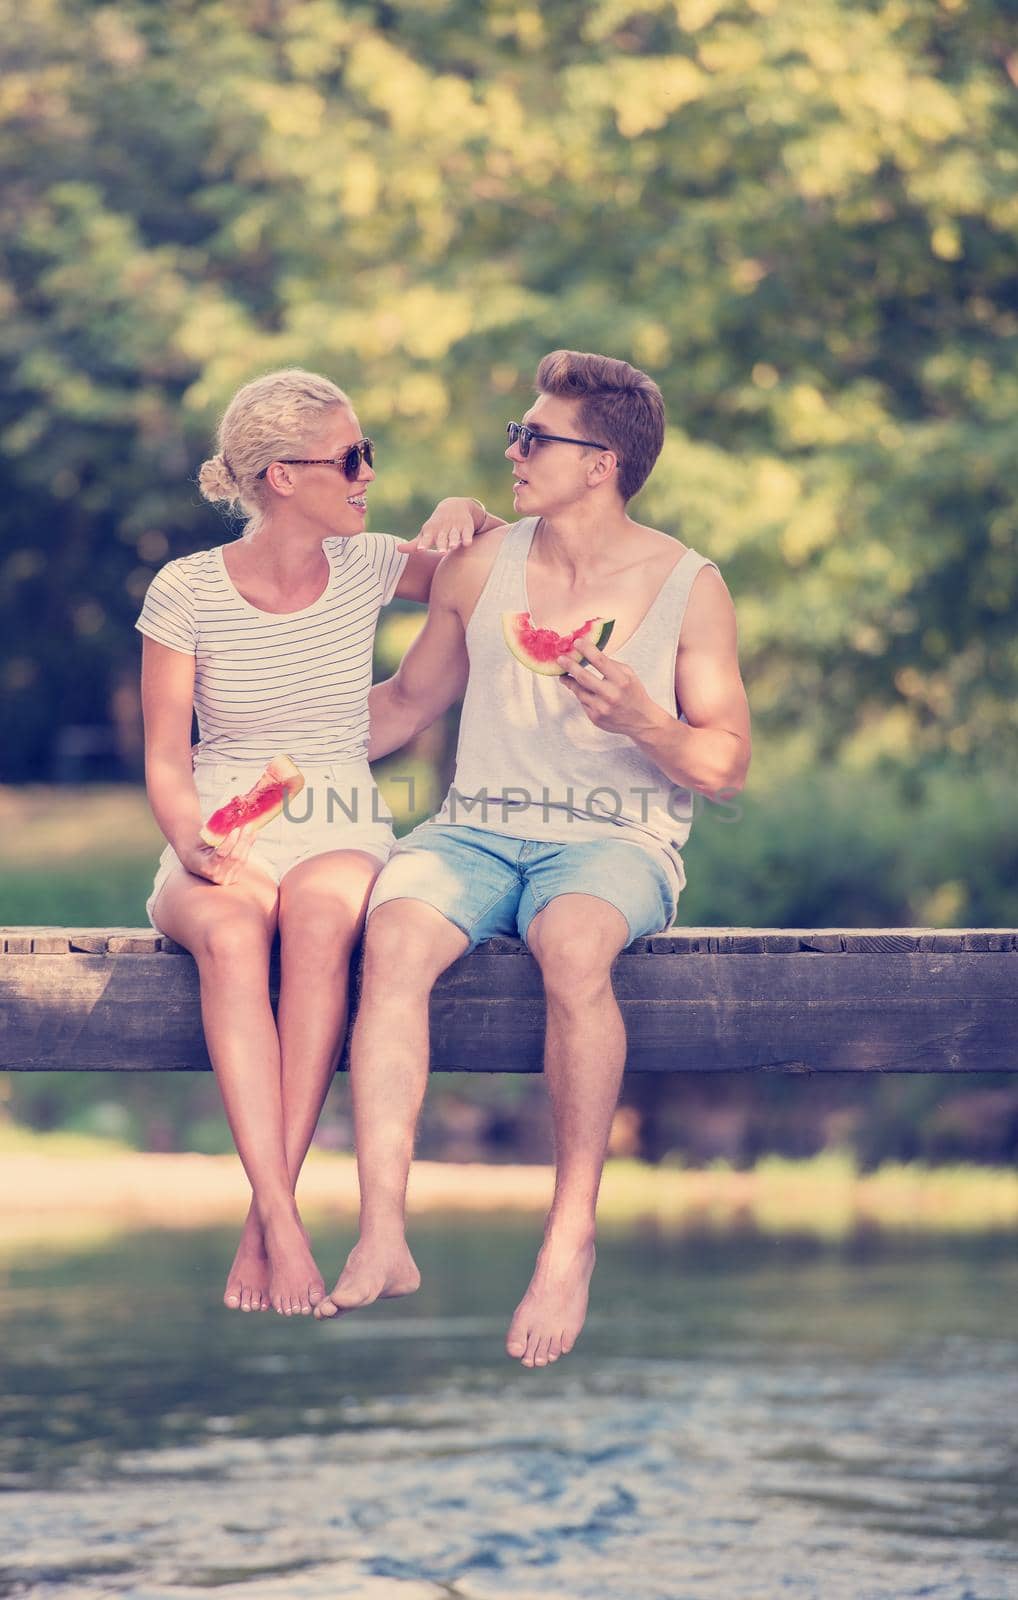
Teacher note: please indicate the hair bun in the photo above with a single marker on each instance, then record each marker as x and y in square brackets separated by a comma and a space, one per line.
[216, 480]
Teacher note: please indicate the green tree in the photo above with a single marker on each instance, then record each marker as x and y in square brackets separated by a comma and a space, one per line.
[798, 216]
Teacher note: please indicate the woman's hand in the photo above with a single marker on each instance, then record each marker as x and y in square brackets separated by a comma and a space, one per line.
[219, 863]
[453, 523]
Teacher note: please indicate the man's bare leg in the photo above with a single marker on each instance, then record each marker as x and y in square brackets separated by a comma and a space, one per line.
[407, 945]
[575, 940]
[321, 914]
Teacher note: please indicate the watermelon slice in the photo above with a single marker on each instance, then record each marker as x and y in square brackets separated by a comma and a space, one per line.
[281, 779]
[538, 648]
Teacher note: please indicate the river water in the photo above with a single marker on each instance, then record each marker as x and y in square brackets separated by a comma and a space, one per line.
[744, 1419]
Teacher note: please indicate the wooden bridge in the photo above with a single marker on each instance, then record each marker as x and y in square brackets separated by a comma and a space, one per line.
[694, 1000]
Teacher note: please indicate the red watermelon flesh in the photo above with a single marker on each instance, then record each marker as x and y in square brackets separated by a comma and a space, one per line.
[263, 802]
[539, 648]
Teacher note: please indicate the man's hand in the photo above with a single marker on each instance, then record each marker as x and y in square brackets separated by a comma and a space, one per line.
[453, 523]
[612, 696]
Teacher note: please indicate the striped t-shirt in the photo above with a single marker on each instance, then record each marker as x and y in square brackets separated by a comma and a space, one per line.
[264, 681]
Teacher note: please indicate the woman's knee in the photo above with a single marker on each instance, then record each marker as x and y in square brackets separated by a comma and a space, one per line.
[322, 904]
[233, 938]
[320, 931]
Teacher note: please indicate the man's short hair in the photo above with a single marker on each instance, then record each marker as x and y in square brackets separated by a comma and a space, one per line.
[618, 405]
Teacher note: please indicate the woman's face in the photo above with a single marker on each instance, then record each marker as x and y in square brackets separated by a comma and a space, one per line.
[324, 495]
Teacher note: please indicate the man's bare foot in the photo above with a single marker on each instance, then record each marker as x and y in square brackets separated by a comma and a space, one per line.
[547, 1321]
[295, 1284]
[377, 1268]
[247, 1283]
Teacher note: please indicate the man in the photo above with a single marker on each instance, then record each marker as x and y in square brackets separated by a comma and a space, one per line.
[571, 799]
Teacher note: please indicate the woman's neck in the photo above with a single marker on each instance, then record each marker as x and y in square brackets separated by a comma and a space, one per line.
[285, 555]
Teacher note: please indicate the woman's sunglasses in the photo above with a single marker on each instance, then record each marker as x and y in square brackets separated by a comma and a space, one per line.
[519, 432]
[363, 450]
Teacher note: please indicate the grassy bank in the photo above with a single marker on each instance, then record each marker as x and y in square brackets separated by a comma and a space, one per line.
[61, 1188]
[798, 848]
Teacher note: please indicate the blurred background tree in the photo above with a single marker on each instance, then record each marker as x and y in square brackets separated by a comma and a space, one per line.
[799, 215]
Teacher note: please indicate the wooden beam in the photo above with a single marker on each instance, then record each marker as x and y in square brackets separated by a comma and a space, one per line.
[694, 1000]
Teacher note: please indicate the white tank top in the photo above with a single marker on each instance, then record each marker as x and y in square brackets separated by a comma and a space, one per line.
[530, 763]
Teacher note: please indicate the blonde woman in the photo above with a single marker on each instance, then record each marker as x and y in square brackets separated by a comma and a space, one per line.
[268, 639]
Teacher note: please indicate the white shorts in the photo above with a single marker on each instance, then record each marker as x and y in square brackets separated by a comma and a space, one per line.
[339, 808]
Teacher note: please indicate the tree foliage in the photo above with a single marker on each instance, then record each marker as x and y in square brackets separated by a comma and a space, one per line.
[799, 215]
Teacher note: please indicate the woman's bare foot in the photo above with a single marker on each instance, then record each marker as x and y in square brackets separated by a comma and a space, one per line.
[295, 1284]
[247, 1283]
[547, 1321]
[379, 1267]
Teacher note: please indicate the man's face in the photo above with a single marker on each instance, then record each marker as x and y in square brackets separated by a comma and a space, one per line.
[553, 476]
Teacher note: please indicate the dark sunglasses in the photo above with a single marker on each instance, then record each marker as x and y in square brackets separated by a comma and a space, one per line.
[518, 431]
[363, 450]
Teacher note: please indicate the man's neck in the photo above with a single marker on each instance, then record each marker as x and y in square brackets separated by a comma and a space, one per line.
[584, 539]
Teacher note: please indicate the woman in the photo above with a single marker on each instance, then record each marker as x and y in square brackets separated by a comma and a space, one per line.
[269, 640]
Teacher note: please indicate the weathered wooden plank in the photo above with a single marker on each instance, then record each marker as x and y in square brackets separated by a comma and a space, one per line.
[857, 943]
[91, 941]
[60, 940]
[134, 944]
[50, 944]
[914, 1011]
[687, 941]
[902, 1013]
[996, 939]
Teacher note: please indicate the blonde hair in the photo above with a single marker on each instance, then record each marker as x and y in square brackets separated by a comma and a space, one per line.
[268, 419]
[618, 405]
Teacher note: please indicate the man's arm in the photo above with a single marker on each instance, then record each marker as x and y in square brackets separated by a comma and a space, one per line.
[711, 755]
[432, 674]
[716, 747]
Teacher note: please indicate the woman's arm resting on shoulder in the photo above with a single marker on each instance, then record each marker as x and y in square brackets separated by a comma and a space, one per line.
[431, 676]
[453, 523]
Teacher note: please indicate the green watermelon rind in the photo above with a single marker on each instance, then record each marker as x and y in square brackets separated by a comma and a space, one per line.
[551, 669]
[603, 637]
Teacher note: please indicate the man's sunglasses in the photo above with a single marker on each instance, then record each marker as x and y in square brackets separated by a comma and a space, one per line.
[519, 433]
[363, 450]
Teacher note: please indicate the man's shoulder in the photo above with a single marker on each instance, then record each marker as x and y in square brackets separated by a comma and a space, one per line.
[710, 611]
[670, 551]
[708, 601]
[654, 545]
[463, 573]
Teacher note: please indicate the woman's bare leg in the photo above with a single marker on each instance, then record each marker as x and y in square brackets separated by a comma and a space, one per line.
[321, 915]
[229, 931]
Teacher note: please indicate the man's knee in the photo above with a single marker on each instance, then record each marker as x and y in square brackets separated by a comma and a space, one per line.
[576, 946]
[408, 944]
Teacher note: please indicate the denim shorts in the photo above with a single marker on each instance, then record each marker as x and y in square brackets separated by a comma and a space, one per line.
[489, 884]
[339, 808]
